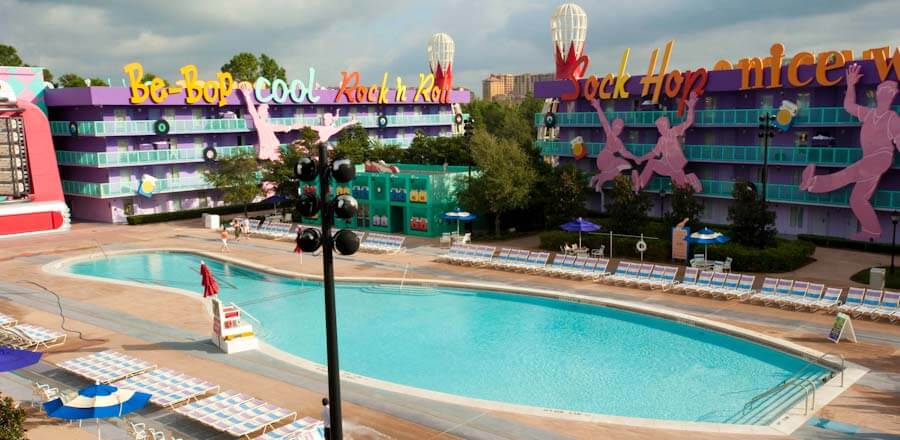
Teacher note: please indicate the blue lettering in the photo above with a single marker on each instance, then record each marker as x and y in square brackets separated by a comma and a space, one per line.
[280, 91]
[260, 85]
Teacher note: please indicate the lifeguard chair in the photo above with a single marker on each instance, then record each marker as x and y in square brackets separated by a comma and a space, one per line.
[230, 332]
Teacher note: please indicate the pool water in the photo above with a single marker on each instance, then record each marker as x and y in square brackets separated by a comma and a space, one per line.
[493, 346]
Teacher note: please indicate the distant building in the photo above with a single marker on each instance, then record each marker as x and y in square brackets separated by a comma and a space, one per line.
[509, 86]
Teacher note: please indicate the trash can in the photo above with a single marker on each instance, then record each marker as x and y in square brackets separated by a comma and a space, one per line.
[876, 278]
[210, 221]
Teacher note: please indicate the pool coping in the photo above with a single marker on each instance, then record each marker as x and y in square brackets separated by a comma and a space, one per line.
[784, 425]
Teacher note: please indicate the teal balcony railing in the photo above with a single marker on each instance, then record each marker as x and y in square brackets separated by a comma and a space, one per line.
[800, 155]
[192, 126]
[882, 200]
[810, 116]
[106, 190]
[142, 157]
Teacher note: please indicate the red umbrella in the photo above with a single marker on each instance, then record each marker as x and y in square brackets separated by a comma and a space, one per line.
[210, 286]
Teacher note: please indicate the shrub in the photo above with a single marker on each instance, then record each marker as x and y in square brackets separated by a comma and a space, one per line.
[843, 243]
[627, 209]
[753, 223]
[194, 213]
[12, 420]
[783, 256]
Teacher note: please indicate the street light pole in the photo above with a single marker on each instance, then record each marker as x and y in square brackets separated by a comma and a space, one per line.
[662, 203]
[331, 340]
[767, 133]
[894, 218]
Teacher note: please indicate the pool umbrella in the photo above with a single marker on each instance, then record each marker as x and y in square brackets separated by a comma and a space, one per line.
[579, 225]
[275, 200]
[210, 286]
[97, 402]
[459, 216]
[706, 237]
[13, 359]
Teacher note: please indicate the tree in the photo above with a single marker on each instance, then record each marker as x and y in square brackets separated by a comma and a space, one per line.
[151, 76]
[71, 80]
[436, 150]
[243, 67]
[270, 69]
[387, 153]
[752, 222]
[98, 82]
[627, 209]
[236, 177]
[504, 180]
[353, 143]
[9, 56]
[281, 171]
[684, 206]
[12, 420]
[560, 194]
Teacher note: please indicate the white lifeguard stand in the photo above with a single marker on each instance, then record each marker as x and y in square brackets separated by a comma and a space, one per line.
[230, 333]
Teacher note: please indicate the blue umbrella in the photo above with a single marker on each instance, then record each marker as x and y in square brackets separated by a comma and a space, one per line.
[459, 216]
[579, 225]
[13, 359]
[706, 237]
[97, 402]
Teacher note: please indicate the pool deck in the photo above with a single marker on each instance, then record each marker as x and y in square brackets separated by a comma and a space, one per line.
[171, 330]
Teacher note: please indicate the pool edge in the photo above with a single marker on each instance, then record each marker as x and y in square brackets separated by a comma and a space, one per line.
[786, 424]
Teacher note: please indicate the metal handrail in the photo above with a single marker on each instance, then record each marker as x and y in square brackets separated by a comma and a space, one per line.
[805, 384]
[839, 356]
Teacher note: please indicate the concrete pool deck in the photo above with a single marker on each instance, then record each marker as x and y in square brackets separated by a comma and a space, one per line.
[171, 333]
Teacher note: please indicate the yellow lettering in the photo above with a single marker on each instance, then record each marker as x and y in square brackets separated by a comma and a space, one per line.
[192, 90]
[400, 93]
[829, 60]
[652, 79]
[211, 91]
[801, 58]
[751, 65]
[226, 81]
[158, 90]
[139, 90]
[382, 94]
[619, 90]
[426, 83]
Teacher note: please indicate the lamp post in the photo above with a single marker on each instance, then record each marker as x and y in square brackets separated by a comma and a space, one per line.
[345, 241]
[894, 218]
[767, 132]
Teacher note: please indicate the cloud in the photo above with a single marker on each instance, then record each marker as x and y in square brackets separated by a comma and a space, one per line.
[98, 37]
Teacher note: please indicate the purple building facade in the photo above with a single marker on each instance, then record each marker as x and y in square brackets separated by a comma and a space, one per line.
[723, 145]
[106, 146]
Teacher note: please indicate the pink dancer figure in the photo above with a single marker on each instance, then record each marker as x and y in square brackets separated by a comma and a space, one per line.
[667, 159]
[612, 159]
[879, 135]
[265, 131]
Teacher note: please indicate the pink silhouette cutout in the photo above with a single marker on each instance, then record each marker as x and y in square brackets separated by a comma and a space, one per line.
[269, 145]
[612, 159]
[878, 137]
[667, 159]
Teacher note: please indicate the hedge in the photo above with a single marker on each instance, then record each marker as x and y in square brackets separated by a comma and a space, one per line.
[785, 256]
[195, 213]
[843, 243]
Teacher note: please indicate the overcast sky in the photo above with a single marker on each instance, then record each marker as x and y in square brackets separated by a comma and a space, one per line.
[96, 38]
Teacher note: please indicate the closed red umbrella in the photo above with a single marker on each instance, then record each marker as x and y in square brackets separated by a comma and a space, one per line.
[210, 286]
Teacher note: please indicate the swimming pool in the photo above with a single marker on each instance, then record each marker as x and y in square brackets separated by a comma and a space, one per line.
[495, 346]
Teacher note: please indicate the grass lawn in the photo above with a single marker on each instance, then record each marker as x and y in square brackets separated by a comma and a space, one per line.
[892, 281]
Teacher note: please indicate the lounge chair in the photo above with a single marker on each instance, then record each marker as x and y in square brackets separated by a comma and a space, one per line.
[600, 270]
[716, 283]
[292, 430]
[663, 277]
[889, 308]
[7, 321]
[782, 291]
[167, 387]
[830, 300]
[258, 419]
[625, 274]
[729, 285]
[688, 280]
[106, 367]
[766, 291]
[744, 288]
[871, 303]
[854, 299]
[703, 280]
[211, 405]
[796, 295]
[31, 337]
[813, 294]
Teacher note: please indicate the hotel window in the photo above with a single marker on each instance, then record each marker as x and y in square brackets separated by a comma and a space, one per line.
[796, 217]
[203, 201]
[198, 142]
[400, 110]
[803, 100]
[196, 113]
[173, 172]
[122, 145]
[796, 176]
[128, 206]
[710, 103]
[169, 114]
[401, 133]
[120, 114]
[173, 143]
[765, 101]
[124, 175]
[417, 110]
[610, 106]
[802, 138]
[633, 136]
[709, 137]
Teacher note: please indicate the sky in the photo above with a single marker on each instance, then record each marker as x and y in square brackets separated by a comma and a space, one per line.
[96, 38]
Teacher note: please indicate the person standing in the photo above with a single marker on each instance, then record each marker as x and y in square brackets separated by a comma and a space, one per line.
[236, 224]
[326, 418]
[224, 237]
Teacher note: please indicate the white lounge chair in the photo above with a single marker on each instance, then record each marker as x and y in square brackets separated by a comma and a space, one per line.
[688, 280]
[107, 366]
[31, 337]
[293, 430]
[813, 294]
[889, 308]
[830, 300]
[766, 291]
[854, 299]
[167, 387]
[871, 303]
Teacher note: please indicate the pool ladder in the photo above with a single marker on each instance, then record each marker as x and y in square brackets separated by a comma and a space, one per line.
[797, 381]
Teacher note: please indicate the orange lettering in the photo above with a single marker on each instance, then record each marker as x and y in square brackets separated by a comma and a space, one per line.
[347, 89]
[604, 85]
[801, 58]
[652, 79]
[829, 60]
[881, 63]
[723, 65]
[776, 56]
[673, 83]
[590, 87]
[751, 65]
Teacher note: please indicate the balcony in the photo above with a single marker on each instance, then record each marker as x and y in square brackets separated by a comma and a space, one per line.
[807, 117]
[142, 157]
[800, 155]
[199, 126]
[882, 200]
[109, 190]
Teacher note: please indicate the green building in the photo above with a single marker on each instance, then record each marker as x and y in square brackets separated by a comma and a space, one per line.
[411, 202]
